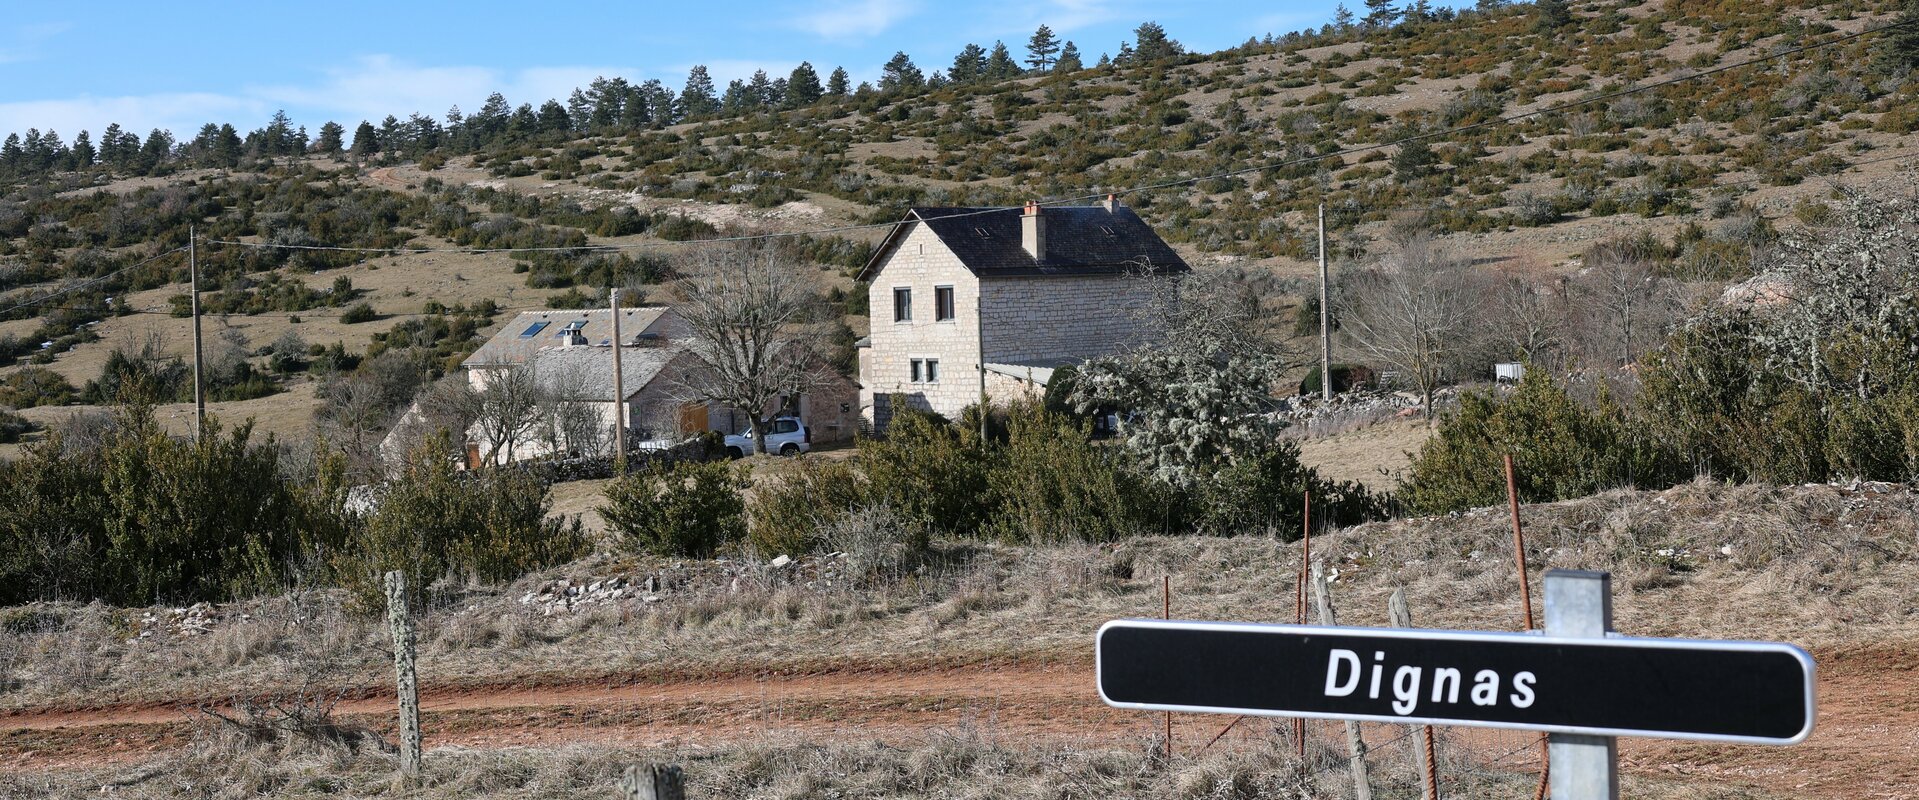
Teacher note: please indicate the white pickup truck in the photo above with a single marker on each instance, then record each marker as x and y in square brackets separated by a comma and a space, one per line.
[787, 436]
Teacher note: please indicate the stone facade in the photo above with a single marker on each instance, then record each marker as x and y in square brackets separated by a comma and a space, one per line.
[922, 264]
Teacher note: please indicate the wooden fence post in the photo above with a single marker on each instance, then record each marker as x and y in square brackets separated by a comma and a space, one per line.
[653, 782]
[1422, 745]
[1323, 600]
[401, 622]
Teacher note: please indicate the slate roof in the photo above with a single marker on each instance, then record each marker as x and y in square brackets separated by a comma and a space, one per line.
[1080, 240]
[592, 368]
[511, 345]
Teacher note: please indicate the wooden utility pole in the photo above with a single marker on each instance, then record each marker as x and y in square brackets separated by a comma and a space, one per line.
[1325, 317]
[400, 621]
[1323, 600]
[653, 782]
[619, 394]
[193, 290]
[1421, 744]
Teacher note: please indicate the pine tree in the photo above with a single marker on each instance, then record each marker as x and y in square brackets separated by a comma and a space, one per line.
[156, 150]
[331, 136]
[1125, 57]
[899, 75]
[279, 134]
[1042, 49]
[366, 140]
[837, 84]
[698, 97]
[83, 152]
[803, 86]
[659, 102]
[110, 145]
[13, 157]
[1000, 65]
[1380, 14]
[1343, 18]
[1553, 15]
[226, 146]
[759, 89]
[969, 65]
[1069, 60]
[1106, 60]
[636, 111]
[1899, 50]
[1152, 44]
[579, 108]
[736, 99]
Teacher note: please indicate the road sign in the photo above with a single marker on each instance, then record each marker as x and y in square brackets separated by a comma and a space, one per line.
[1750, 692]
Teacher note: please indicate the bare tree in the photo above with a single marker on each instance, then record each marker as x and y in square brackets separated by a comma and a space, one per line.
[567, 419]
[745, 309]
[442, 412]
[509, 410]
[1417, 313]
[1623, 303]
[353, 419]
[1529, 319]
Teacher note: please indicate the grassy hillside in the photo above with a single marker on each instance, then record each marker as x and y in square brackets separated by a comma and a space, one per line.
[1244, 143]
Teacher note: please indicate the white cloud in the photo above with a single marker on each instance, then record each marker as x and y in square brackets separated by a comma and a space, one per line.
[367, 88]
[182, 113]
[852, 19]
[723, 70]
[375, 86]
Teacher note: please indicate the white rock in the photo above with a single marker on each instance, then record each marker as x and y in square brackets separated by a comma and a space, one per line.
[782, 561]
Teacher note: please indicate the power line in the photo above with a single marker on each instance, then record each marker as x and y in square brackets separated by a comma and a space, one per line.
[1141, 189]
[83, 284]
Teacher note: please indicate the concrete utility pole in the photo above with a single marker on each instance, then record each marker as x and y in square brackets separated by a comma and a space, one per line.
[1325, 317]
[1579, 605]
[619, 394]
[400, 621]
[193, 290]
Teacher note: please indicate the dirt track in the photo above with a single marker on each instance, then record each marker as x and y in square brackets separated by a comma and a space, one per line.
[1865, 745]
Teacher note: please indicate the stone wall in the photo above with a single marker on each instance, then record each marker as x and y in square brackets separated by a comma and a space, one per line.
[922, 263]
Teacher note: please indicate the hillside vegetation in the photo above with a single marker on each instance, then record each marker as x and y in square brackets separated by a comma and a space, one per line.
[1284, 122]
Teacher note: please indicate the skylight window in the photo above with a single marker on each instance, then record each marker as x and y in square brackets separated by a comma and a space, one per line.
[534, 330]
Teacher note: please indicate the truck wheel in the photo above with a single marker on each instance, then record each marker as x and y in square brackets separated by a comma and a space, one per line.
[734, 452]
[789, 449]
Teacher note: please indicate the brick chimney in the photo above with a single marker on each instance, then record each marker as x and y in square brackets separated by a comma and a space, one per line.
[1032, 232]
[1111, 202]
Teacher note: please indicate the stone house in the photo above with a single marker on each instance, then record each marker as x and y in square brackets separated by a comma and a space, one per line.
[569, 356]
[987, 302]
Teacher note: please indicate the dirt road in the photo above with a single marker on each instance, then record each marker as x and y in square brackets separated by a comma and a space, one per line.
[1866, 745]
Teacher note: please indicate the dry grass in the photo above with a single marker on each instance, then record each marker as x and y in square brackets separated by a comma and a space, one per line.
[1820, 566]
[966, 763]
[1373, 454]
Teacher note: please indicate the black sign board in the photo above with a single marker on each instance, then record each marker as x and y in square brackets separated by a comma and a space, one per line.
[1750, 692]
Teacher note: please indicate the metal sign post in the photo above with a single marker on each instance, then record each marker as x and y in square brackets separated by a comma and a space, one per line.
[1575, 682]
[1579, 606]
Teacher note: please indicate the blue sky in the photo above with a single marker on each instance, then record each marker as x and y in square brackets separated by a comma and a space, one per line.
[80, 66]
